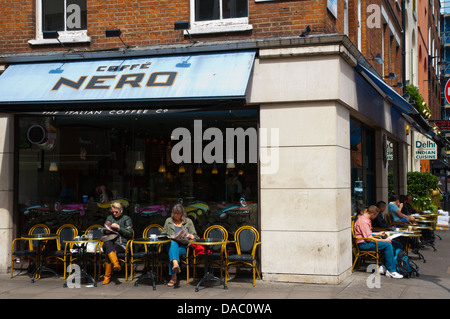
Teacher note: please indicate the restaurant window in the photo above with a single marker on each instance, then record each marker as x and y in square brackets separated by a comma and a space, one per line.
[63, 158]
[362, 145]
[211, 16]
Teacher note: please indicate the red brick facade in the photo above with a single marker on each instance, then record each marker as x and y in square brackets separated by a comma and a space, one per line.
[151, 23]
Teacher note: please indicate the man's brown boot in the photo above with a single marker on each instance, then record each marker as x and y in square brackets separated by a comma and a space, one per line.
[114, 261]
[108, 273]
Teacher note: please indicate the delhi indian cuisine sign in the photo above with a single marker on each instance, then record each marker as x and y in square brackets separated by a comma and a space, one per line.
[424, 148]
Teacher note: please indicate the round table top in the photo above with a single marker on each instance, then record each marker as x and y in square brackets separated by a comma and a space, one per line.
[40, 236]
[406, 231]
[81, 240]
[422, 227]
[208, 241]
[407, 234]
[428, 221]
[151, 241]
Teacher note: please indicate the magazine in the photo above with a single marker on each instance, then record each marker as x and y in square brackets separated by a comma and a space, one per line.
[181, 236]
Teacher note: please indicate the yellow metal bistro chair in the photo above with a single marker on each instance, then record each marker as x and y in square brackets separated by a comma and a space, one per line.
[360, 254]
[62, 252]
[214, 231]
[139, 256]
[29, 253]
[246, 239]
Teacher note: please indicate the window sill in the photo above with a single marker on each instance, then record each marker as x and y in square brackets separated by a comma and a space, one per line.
[67, 39]
[218, 28]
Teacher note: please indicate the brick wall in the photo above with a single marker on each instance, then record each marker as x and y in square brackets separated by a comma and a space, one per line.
[150, 22]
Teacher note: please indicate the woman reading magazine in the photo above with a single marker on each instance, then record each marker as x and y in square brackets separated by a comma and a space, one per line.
[176, 223]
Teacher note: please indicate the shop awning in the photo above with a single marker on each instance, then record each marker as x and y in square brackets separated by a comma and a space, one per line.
[400, 104]
[157, 79]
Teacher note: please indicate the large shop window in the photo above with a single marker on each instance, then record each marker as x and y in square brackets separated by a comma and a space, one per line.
[63, 158]
[363, 179]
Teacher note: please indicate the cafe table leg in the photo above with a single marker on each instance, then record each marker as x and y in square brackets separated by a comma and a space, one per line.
[40, 266]
[209, 275]
[151, 274]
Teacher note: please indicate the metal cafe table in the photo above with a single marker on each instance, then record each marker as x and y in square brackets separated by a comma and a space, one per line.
[40, 238]
[153, 243]
[82, 242]
[208, 243]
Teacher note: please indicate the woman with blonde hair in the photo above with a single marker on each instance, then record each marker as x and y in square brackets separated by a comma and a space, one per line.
[122, 226]
[173, 225]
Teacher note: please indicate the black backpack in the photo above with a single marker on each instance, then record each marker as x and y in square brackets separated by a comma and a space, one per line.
[404, 265]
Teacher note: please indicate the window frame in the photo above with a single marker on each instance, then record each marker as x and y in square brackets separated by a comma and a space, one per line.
[79, 36]
[219, 25]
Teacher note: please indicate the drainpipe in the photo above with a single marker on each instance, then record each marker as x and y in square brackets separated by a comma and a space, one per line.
[403, 47]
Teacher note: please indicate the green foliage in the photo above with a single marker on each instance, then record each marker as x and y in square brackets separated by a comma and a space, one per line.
[419, 184]
[419, 103]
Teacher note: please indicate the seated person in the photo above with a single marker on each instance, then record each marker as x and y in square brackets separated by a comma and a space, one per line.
[363, 229]
[122, 225]
[395, 207]
[407, 208]
[379, 221]
[172, 226]
[361, 209]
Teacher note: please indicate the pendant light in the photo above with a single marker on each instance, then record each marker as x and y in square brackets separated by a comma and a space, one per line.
[53, 167]
[139, 166]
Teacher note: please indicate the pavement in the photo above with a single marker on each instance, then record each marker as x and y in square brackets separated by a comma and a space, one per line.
[433, 283]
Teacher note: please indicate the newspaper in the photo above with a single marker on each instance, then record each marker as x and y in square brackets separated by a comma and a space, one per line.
[394, 235]
[107, 224]
[181, 236]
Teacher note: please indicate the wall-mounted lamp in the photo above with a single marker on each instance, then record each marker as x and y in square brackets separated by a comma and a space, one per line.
[398, 85]
[184, 25]
[115, 33]
[378, 58]
[53, 35]
[391, 76]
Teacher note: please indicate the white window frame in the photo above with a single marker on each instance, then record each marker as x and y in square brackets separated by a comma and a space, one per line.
[79, 36]
[217, 26]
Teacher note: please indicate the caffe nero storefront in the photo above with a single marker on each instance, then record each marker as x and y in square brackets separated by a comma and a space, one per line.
[153, 130]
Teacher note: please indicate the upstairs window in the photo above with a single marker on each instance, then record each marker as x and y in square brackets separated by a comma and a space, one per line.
[220, 9]
[212, 16]
[68, 17]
